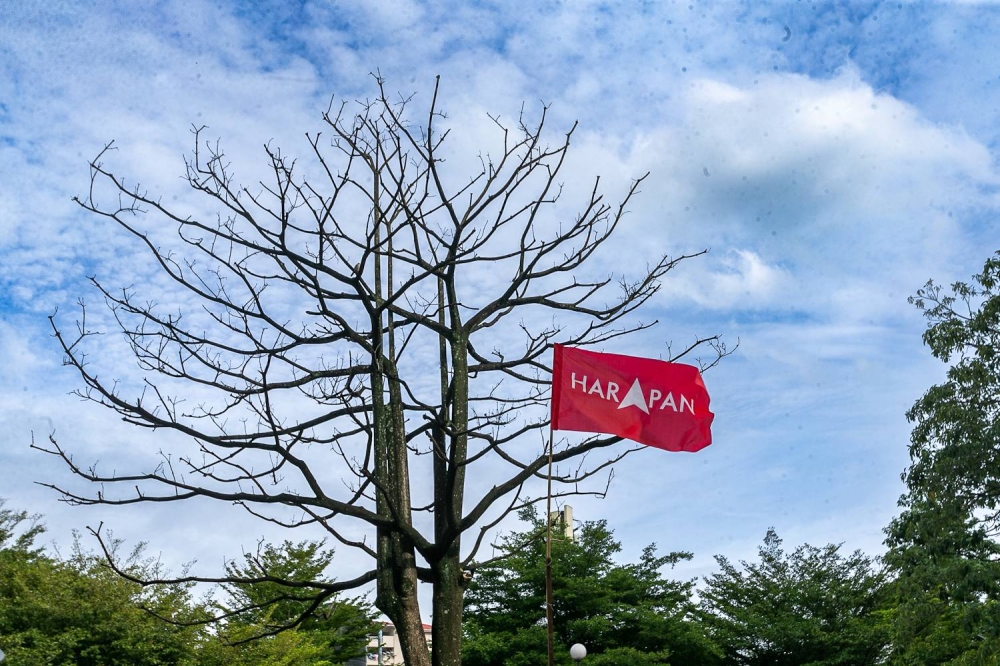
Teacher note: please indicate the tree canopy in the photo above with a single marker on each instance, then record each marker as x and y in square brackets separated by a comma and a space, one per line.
[812, 606]
[623, 613]
[336, 629]
[943, 545]
[78, 611]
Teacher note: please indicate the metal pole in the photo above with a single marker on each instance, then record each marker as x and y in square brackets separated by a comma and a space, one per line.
[548, 562]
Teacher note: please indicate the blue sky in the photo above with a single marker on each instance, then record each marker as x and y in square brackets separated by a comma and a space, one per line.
[833, 157]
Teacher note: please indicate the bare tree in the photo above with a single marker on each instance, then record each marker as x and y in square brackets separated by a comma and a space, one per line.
[370, 312]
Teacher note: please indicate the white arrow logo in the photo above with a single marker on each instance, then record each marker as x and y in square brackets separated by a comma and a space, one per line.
[634, 398]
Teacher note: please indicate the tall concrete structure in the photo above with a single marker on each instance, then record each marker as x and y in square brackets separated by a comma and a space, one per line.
[562, 524]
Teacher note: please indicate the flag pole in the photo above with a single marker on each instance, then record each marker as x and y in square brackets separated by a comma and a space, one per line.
[548, 561]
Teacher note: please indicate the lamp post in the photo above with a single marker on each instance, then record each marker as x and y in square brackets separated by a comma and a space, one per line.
[578, 652]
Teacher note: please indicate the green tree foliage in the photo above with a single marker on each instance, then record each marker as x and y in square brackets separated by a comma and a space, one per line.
[15, 537]
[326, 630]
[242, 645]
[77, 611]
[943, 545]
[812, 606]
[623, 613]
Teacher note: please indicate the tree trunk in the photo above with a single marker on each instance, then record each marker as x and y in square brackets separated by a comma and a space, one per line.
[397, 582]
[397, 598]
[449, 482]
[447, 604]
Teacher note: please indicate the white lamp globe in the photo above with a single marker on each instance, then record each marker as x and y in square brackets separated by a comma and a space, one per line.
[578, 652]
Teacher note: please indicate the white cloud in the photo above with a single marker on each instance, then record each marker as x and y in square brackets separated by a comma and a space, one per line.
[847, 198]
[740, 279]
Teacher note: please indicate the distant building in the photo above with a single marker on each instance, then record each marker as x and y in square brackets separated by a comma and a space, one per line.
[384, 642]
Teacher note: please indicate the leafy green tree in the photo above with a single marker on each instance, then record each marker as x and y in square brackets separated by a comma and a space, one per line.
[77, 611]
[623, 613]
[243, 645]
[16, 537]
[943, 545]
[812, 606]
[326, 629]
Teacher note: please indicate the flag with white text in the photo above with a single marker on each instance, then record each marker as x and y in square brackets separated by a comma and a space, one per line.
[649, 401]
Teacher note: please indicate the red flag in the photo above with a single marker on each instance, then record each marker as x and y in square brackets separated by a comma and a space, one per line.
[648, 401]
